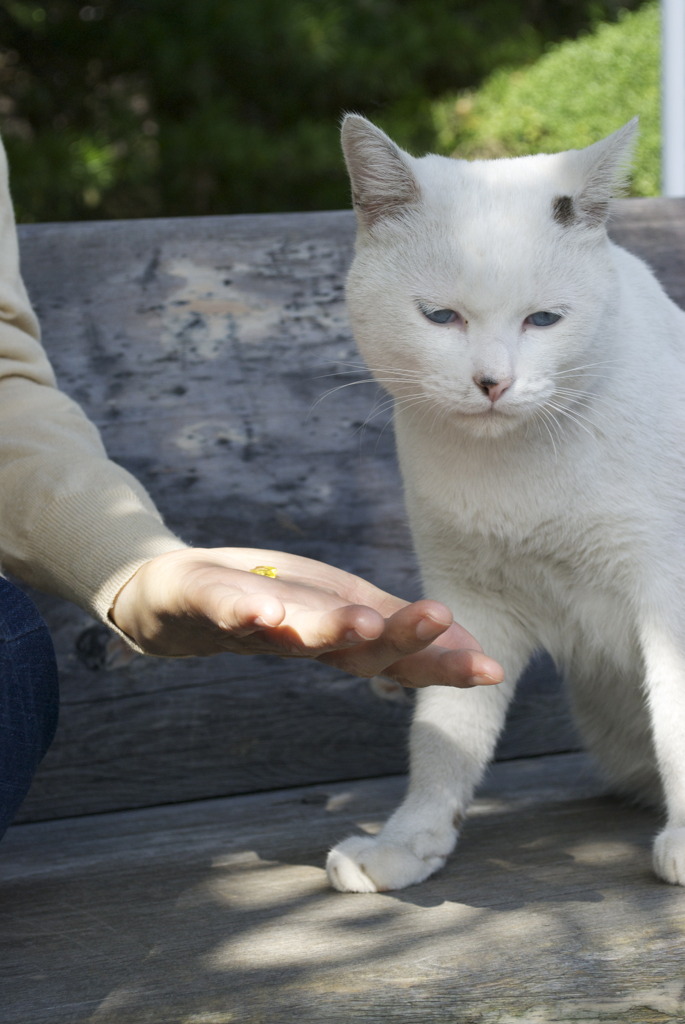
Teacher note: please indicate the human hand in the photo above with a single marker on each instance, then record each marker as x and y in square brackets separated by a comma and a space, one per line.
[199, 601]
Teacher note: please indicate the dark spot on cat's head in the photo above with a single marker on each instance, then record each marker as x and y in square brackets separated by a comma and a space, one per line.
[563, 211]
[596, 213]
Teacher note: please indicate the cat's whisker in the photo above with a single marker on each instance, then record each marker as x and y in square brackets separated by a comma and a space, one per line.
[539, 422]
[586, 366]
[578, 371]
[576, 397]
[340, 373]
[407, 402]
[381, 374]
[390, 371]
[419, 401]
[395, 374]
[375, 412]
[413, 401]
[362, 366]
[387, 401]
[547, 417]
[574, 416]
[552, 427]
[575, 391]
[366, 380]
[333, 391]
[433, 419]
[570, 400]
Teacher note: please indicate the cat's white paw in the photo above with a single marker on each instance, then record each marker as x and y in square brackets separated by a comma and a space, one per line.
[669, 855]
[368, 864]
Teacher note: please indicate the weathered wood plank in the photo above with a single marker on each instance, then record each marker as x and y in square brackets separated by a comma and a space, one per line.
[219, 912]
[654, 229]
[202, 348]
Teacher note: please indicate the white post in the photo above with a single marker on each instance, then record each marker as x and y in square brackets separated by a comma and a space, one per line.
[673, 97]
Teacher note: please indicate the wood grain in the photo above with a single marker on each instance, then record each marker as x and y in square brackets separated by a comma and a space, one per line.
[215, 356]
[219, 912]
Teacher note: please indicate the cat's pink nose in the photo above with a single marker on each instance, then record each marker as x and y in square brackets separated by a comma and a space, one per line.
[494, 389]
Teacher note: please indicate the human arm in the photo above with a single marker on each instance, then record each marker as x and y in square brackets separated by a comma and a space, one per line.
[74, 523]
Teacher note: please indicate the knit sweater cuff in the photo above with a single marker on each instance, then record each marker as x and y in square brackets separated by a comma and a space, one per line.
[93, 563]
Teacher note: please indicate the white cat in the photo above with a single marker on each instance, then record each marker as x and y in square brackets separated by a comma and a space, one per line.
[538, 372]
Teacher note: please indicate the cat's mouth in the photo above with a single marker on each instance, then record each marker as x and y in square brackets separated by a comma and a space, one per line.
[488, 422]
[493, 410]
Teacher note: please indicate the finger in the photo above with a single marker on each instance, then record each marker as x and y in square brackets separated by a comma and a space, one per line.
[407, 632]
[417, 626]
[438, 667]
[456, 660]
[243, 614]
[293, 630]
[313, 633]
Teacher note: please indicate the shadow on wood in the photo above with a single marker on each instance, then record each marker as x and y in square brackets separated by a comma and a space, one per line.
[219, 912]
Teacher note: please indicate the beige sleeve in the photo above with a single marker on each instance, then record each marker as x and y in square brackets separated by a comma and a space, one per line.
[71, 521]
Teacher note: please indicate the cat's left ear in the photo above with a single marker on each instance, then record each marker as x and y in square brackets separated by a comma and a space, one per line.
[603, 169]
[383, 183]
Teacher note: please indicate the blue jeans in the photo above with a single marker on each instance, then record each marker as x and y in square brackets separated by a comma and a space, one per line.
[29, 696]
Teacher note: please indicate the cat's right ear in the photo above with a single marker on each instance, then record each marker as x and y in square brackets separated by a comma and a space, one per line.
[383, 184]
[603, 168]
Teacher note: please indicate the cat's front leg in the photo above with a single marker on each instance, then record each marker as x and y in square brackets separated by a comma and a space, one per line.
[664, 652]
[453, 737]
[452, 740]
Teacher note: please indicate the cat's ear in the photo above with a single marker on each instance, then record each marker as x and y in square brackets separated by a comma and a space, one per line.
[604, 168]
[383, 184]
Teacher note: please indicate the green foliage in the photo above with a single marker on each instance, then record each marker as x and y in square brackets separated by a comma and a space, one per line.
[577, 93]
[123, 108]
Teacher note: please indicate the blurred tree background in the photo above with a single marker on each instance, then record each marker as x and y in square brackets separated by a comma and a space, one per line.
[143, 108]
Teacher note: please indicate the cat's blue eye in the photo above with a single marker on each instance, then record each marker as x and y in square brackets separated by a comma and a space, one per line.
[440, 316]
[543, 318]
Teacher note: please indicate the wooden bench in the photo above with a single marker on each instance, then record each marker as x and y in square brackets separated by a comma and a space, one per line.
[168, 863]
